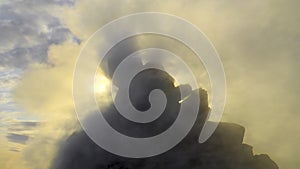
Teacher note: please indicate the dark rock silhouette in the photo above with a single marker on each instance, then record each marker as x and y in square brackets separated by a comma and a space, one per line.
[224, 150]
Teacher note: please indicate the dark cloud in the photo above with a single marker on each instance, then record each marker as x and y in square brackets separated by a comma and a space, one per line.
[51, 2]
[17, 138]
[20, 131]
[19, 126]
[14, 150]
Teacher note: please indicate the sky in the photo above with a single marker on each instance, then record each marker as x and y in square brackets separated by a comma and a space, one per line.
[40, 39]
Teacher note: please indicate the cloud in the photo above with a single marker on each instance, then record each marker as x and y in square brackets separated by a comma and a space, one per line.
[50, 100]
[8, 80]
[17, 138]
[257, 42]
[28, 28]
[14, 136]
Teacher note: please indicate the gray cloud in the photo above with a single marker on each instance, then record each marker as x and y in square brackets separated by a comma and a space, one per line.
[18, 132]
[14, 150]
[21, 126]
[17, 138]
[41, 2]
[8, 80]
[28, 28]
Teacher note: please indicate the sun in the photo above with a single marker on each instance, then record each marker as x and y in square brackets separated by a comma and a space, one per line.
[101, 84]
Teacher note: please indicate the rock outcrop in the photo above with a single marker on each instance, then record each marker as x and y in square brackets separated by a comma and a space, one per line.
[224, 149]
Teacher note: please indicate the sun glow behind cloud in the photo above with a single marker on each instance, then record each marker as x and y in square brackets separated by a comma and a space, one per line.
[256, 39]
[102, 84]
[104, 90]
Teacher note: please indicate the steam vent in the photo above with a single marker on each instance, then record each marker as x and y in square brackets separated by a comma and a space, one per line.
[224, 150]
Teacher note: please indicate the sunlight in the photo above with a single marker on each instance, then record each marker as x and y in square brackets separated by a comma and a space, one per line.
[102, 84]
